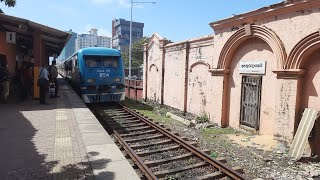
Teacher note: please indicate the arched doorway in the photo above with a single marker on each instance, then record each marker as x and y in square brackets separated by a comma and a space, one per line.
[310, 95]
[154, 93]
[306, 55]
[252, 103]
[250, 44]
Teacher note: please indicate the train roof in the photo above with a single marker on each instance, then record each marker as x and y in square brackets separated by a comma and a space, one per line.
[99, 51]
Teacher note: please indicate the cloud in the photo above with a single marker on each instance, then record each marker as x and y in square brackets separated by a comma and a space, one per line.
[121, 3]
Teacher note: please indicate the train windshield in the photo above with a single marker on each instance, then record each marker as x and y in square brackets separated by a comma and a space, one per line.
[102, 61]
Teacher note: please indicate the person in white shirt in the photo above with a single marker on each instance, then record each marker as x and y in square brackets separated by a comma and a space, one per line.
[44, 85]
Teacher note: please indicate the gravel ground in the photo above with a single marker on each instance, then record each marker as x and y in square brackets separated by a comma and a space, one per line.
[257, 163]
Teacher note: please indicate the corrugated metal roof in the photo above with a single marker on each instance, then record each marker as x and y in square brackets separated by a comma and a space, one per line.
[301, 138]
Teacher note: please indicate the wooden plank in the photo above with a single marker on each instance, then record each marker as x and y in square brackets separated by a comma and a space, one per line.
[305, 126]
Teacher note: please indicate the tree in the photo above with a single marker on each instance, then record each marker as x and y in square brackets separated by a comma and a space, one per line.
[136, 53]
[9, 3]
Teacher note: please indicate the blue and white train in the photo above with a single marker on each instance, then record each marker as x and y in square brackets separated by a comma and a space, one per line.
[97, 72]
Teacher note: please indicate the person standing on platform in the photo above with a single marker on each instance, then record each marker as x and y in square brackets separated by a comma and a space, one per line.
[4, 81]
[53, 71]
[43, 83]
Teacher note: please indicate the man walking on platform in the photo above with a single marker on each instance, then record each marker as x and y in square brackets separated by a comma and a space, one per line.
[53, 76]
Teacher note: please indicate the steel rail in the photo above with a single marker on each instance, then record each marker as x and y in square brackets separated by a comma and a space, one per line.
[222, 167]
[143, 167]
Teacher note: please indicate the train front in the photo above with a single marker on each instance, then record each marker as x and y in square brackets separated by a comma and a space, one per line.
[102, 75]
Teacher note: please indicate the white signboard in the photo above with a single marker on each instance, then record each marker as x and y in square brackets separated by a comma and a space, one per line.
[258, 67]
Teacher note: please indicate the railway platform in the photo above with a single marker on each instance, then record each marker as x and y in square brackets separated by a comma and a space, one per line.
[62, 140]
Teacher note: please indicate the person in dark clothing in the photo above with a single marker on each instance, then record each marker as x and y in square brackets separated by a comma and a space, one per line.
[53, 71]
[4, 79]
[26, 81]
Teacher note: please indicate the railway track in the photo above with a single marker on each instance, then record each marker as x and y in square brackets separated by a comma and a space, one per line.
[158, 152]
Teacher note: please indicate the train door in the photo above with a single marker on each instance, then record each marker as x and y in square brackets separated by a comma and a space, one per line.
[251, 101]
[76, 69]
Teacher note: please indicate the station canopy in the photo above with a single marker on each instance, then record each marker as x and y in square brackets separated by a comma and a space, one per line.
[54, 40]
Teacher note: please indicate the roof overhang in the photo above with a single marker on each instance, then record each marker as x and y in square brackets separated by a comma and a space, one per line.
[54, 39]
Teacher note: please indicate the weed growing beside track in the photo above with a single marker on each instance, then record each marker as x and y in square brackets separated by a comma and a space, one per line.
[256, 162]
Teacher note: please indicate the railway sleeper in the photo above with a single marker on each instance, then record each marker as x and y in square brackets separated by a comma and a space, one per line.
[161, 174]
[133, 119]
[129, 121]
[166, 160]
[135, 125]
[141, 128]
[123, 119]
[139, 133]
[125, 116]
[218, 174]
[117, 114]
[114, 110]
[145, 138]
[146, 153]
[115, 124]
[153, 144]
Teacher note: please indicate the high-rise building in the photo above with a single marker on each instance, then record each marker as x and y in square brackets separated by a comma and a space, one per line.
[92, 40]
[69, 49]
[121, 33]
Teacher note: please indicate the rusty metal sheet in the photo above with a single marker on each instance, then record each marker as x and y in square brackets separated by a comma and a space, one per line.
[301, 138]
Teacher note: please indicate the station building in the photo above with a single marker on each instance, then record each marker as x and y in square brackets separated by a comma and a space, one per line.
[258, 71]
[25, 42]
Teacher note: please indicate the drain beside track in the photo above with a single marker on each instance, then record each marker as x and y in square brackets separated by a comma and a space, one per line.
[158, 152]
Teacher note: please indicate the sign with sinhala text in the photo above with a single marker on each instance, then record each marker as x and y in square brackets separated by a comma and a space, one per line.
[258, 67]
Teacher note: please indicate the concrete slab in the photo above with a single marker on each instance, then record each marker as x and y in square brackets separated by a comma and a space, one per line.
[99, 138]
[90, 128]
[114, 170]
[87, 120]
[104, 153]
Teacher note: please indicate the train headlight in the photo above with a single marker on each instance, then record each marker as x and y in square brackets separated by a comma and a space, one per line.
[117, 79]
[91, 80]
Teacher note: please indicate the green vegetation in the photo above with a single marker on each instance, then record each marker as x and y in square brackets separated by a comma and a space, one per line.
[9, 3]
[213, 155]
[136, 54]
[157, 114]
[208, 137]
[203, 118]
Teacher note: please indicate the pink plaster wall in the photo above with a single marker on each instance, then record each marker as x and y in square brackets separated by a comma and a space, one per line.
[286, 98]
[198, 90]
[154, 71]
[290, 28]
[174, 76]
[253, 50]
[199, 97]
[280, 97]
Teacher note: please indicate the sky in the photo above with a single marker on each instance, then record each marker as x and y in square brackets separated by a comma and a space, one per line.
[176, 20]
